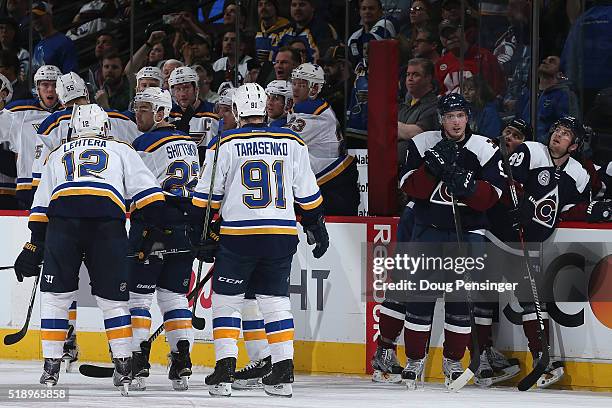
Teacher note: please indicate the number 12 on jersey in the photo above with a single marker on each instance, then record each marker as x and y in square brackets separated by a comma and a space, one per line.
[256, 177]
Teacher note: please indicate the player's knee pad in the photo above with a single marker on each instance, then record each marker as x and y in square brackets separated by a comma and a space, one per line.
[168, 300]
[140, 300]
[250, 310]
[227, 305]
[118, 325]
[483, 313]
[419, 315]
[54, 305]
[274, 307]
[529, 311]
[393, 309]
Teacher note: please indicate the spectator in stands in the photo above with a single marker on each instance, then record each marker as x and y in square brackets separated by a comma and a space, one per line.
[357, 112]
[451, 10]
[94, 16]
[115, 92]
[271, 25]
[373, 27]
[253, 69]
[425, 45]
[229, 16]
[317, 34]
[197, 50]
[556, 98]
[19, 11]
[105, 43]
[484, 117]
[54, 48]
[419, 114]
[337, 73]
[300, 46]
[224, 66]
[420, 15]
[206, 74]
[287, 59]
[9, 67]
[155, 50]
[167, 69]
[8, 41]
[477, 60]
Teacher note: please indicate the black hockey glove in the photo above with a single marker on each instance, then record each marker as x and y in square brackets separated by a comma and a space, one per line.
[599, 211]
[317, 234]
[183, 123]
[440, 158]
[206, 250]
[150, 236]
[523, 213]
[29, 260]
[460, 182]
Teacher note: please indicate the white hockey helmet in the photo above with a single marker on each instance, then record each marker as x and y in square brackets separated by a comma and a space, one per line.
[226, 97]
[6, 85]
[312, 73]
[249, 100]
[89, 120]
[157, 97]
[47, 73]
[150, 72]
[280, 87]
[70, 86]
[183, 75]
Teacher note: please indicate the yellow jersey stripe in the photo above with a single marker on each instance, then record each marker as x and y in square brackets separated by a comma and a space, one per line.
[164, 140]
[254, 335]
[177, 325]
[143, 202]
[55, 124]
[337, 170]
[280, 337]
[259, 135]
[198, 202]
[321, 109]
[259, 231]
[38, 218]
[120, 333]
[71, 191]
[53, 335]
[313, 204]
[7, 191]
[223, 333]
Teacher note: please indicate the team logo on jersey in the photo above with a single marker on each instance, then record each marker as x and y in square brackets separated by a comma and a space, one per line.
[36, 126]
[442, 196]
[122, 287]
[544, 178]
[186, 282]
[546, 209]
[49, 278]
[443, 67]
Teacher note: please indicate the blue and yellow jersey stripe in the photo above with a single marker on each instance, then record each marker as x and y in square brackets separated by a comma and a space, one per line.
[334, 169]
[38, 214]
[45, 131]
[201, 200]
[256, 135]
[226, 327]
[24, 183]
[259, 227]
[147, 197]
[8, 189]
[310, 202]
[89, 188]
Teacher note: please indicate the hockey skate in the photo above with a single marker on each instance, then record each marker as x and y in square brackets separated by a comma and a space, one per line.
[220, 381]
[249, 377]
[503, 368]
[278, 382]
[140, 367]
[180, 366]
[484, 375]
[452, 370]
[122, 376]
[414, 373]
[386, 367]
[552, 374]
[71, 351]
[51, 370]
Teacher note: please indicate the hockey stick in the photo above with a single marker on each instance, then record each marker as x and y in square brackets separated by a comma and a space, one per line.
[531, 378]
[13, 338]
[161, 252]
[198, 322]
[90, 370]
[469, 372]
[4, 268]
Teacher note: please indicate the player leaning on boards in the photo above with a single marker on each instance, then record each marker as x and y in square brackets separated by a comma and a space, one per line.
[79, 211]
[439, 165]
[261, 172]
[172, 157]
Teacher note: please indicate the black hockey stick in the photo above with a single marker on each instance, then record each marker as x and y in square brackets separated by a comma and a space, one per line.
[469, 372]
[90, 370]
[198, 322]
[4, 268]
[531, 378]
[13, 338]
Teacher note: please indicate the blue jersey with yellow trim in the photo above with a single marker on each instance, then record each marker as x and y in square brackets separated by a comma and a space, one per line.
[261, 173]
[93, 177]
[172, 157]
[19, 124]
[204, 124]
[55, 129]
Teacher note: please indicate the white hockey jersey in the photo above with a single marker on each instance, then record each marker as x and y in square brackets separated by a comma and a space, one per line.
[55, 129]
[261, 173]
[204, 124]
[172, 157]
[315, 121]
[93, 177]
[19, 124]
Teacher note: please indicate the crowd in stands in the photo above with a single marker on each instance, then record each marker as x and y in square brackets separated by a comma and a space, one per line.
[445, 46]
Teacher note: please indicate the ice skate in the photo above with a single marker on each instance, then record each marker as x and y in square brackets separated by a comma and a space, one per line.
[220, 381]
[122, 377]
[51, 370]
[452, 370]
[180, 366]
[503, 368]
[414, 373]
[249, 377]
[553, 373]
[140, 367]
[278, 382]
[71, 352]
[484, 375]
[386, 367]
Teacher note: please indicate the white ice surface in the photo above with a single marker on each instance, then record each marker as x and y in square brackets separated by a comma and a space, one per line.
[308, 391]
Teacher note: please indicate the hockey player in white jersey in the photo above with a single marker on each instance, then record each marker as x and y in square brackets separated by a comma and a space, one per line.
[315, 121]
[146, 77]
[79, 211]
[8, 180]
[279, 102]
[223, 108]
[172, 157]
[20, 127]
[260, 173]
[191, 114]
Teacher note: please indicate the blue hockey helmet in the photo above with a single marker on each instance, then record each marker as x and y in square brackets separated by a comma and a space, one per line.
[574, 126]
[523, 127]
[452, 102]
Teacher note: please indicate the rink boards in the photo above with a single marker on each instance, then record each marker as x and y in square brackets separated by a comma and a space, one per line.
[335, 325]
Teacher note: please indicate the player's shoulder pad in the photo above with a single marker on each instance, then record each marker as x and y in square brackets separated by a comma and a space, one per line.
[483, 147]
[114, 114]
[205, 108]
[311, 107]
[150, 141]
[53, 120]
[574, 169]
[538, 154]
[20, 105]
[609, 169]
[426, 140]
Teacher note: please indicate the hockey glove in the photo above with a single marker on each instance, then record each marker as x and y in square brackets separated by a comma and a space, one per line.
[29, 260]
[460, 182]
[447, 149]
[599, 211]
[206, 250]
[523, 213]
[317, 234]
[150, 236]
[440, 158]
